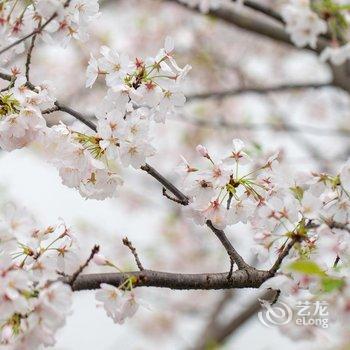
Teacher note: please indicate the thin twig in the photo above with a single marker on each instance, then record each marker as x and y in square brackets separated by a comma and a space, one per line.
[229, 200]
[35, 32]
[76, 115]
[231, 251]
[256, 90]
[76, 274]
[29, 56]
[183, 199]
[128, 244]
[283, 255]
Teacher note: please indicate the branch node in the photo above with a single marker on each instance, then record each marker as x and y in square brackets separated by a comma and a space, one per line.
[174, 199]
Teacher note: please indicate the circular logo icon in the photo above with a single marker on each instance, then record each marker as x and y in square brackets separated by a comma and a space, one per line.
[275, 315]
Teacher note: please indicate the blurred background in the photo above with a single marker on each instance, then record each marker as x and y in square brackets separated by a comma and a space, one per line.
[309, 125]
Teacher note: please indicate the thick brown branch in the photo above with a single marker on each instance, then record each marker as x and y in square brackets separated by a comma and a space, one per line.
[149, 278]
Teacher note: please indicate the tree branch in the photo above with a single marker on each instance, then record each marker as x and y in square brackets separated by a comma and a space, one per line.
[231, 251]
[181, 281]
[76, 115]
[278, 126]
[255, 25]
[283, 255]
[81, 268]
[29, 56]
[128, 244]
[183, 199]
[218, 336]
[263, 10]
[256, 90]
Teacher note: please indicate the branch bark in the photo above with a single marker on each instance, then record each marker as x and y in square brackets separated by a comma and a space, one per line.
[181, 281]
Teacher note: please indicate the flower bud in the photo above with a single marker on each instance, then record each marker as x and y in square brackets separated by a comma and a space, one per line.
[202, 151]
[99, 259]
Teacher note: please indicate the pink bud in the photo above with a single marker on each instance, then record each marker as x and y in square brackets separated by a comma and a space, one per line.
[202, 151]
[99, 259]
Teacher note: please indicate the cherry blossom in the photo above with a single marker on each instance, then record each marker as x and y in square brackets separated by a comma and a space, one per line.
[32, 307]
[302, 23]
[119, 304]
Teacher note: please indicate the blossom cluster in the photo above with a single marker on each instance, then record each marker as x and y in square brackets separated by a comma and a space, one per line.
[34, 304]
[311, 208]
[224, 192]
[61, 20]
[138, 93]
[78, 159]
[21, 120]
[302, 23]
[239, 188]
[305, 21]
[119, 302]
[34, 299]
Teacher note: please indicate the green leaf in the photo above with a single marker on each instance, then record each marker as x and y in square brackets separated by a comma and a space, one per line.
[306, 267]
[329, 284]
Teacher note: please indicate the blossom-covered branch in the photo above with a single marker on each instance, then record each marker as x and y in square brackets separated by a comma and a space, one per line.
[299, 220]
